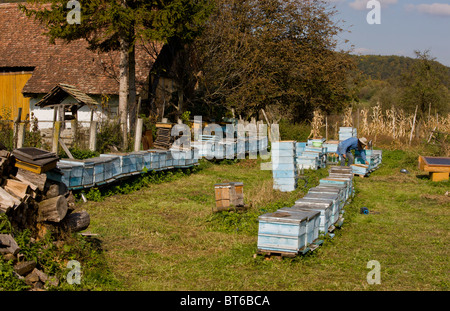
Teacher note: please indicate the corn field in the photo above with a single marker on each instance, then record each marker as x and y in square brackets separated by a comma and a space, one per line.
[392, 124]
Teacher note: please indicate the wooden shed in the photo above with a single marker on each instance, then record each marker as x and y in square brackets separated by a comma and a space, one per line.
[55, 99]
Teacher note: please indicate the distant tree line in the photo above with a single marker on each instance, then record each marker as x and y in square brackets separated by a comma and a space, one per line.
[405, 82]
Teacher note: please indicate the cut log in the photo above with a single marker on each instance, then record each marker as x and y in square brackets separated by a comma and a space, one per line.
[35, 181]
[76, 222]
[54, 209]
[18, 188]
[70, 201]
[52, 192]
[7, 201]
[54, 189]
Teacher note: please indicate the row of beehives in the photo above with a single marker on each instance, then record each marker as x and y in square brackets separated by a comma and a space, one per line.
[209, 146]
[106, 168]
[296, 229]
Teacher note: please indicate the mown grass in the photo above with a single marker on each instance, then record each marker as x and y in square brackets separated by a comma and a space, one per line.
[165, 236]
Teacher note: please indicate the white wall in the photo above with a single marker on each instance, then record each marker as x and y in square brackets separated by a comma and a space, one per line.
[45, 115]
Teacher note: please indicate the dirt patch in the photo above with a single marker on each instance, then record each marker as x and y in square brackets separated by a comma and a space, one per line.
[249, 163]
[438, 198]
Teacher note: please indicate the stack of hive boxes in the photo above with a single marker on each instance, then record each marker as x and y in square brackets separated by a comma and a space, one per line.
[284, 169]
[332, 146]
[287, 231]
[312, 154]
[347, 132]
[229, 196]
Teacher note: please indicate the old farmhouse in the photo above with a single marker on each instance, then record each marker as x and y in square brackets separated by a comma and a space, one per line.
[30, 67]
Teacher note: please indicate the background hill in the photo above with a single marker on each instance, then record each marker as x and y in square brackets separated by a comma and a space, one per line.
[392, 67]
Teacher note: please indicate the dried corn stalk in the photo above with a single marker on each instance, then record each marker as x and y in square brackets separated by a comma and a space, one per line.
[348, 117]
[365, 129]
[377, 124]
[316, 124]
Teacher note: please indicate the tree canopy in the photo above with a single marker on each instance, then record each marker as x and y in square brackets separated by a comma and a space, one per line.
[273, 54]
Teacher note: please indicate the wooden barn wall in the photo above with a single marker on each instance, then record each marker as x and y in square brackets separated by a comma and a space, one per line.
[11, 98]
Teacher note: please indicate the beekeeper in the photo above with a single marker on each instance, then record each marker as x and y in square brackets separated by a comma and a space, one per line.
[353, 143]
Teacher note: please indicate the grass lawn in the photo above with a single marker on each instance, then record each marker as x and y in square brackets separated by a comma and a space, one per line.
[165, 236]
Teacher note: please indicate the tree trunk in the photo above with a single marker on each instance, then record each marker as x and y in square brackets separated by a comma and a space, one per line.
[123, 90]
[132, 85]
[54, 209]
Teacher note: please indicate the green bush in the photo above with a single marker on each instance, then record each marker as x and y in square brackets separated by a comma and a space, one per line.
[296, 131]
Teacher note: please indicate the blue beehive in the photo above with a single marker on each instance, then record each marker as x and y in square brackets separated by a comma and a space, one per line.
[138, 161]
[162, 160]
[337, 181]
[312, 222]
[284, 169]
[347, 132]
[282, 232]
[344, 176]
[325, 209]
[340, 191]
[154, 162]
[98, 165]
[337, 205]
[114, 169]
[73, 172]
[146, 159]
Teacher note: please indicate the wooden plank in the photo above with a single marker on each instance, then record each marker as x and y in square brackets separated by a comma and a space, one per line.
[63, 145]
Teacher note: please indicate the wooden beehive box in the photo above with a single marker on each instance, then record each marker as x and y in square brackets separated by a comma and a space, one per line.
[325, 209]
[338, 181]
[328, 197]
[115, 165]
[229, 196]
[282, 232]
[437, 167]
[330, 189]
[312, 222]
[73, 173]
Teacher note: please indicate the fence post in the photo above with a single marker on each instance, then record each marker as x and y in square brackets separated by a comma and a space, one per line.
[93, 136]
[16, 128]
[20, 134]
[56, 133]
[138, 138]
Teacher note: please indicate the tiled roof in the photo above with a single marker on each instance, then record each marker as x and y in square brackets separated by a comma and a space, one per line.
[22, 44]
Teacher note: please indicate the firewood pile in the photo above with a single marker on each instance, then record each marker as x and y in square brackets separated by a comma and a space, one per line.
[33, 202]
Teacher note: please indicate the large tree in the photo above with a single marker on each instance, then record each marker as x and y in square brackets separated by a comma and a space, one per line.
[116, 25]
[274, 54]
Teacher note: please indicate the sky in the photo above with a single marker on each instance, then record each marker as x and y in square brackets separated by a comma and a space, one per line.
[405, 26]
